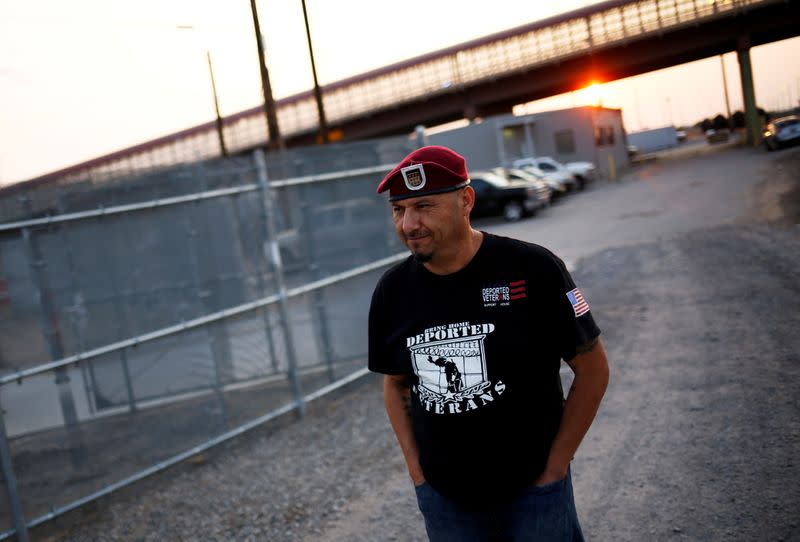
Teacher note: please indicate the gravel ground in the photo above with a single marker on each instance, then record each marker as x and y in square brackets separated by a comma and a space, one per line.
[698, 437]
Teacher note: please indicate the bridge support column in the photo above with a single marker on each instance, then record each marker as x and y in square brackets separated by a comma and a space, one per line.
[752, 122]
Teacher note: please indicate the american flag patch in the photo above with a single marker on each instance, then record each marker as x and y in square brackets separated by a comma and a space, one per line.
[517, 289]
[579, 304]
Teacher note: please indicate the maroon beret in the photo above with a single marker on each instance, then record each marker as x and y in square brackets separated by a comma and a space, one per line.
[429, 170]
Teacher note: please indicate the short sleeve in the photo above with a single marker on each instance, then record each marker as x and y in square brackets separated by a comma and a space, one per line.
[379, 358]
[573, 324]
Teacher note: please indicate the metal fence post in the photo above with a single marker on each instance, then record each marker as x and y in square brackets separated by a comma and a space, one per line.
[260, 284]
[52, 335]
[277, 265]
[11, 483]
[78, 312]
[124, 331]
[215, 334]
[419, 132]
[319, 314]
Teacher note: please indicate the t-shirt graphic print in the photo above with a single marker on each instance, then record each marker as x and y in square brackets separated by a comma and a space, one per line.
[450, 364]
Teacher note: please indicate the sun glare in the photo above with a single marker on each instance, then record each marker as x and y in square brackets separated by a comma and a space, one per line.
[593, 94]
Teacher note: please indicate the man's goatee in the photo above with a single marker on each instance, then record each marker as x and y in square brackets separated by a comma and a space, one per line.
[421, 257]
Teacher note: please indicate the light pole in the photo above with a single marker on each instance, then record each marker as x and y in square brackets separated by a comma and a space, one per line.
[323, 124]
[220, 131]
[275, 141]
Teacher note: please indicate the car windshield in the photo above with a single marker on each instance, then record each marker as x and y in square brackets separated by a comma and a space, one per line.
[533, 170]
[546, 166]
[522, 174]
[787, 122]
[491, 178]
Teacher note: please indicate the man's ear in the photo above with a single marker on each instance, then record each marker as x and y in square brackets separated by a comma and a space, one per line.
[467, 199]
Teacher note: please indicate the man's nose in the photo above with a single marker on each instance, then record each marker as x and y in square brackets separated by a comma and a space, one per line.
[410, 220]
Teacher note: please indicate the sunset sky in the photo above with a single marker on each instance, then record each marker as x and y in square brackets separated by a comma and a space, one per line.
[84, 78]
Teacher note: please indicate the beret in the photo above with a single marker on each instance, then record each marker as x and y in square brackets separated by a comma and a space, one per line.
[427, 170]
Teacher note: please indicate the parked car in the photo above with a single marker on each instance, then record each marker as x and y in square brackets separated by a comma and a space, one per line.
[555, 183]
[496, 195]
[542, 189]
[718, 136]
[583, 172]
[782, 132]
[549, 166]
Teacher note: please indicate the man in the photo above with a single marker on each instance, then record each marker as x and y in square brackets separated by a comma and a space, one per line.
[489, 456]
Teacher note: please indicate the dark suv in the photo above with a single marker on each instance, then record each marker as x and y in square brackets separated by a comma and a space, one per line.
[496, 195]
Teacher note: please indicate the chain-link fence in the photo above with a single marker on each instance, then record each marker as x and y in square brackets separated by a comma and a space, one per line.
[143, 321]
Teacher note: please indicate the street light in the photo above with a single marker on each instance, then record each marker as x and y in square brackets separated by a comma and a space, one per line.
[275, 141]
[220, 132]
[323, 124]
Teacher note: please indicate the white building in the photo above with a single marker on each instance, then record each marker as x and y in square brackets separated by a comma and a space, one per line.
[592, 134]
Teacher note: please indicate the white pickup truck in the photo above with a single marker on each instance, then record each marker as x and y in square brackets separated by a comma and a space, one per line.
[579, 172]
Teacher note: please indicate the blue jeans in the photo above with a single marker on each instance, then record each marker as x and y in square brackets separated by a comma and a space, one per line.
[541, 513]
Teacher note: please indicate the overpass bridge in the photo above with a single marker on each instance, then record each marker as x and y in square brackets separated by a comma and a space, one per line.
[602, 42]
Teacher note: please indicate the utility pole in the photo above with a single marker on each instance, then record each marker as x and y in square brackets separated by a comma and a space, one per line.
[275, 141]
[220, 132]
[323, 124]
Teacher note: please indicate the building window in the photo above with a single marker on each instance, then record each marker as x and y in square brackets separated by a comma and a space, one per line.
[603, 135]
[609, 135]
[565, 142]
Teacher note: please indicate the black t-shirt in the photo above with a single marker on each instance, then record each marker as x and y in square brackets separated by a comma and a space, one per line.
[483, 346]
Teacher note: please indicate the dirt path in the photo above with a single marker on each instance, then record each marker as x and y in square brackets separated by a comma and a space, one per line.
[700, 432]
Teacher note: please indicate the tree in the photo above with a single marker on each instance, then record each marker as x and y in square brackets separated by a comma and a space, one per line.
[719, 122]
[738, 119]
